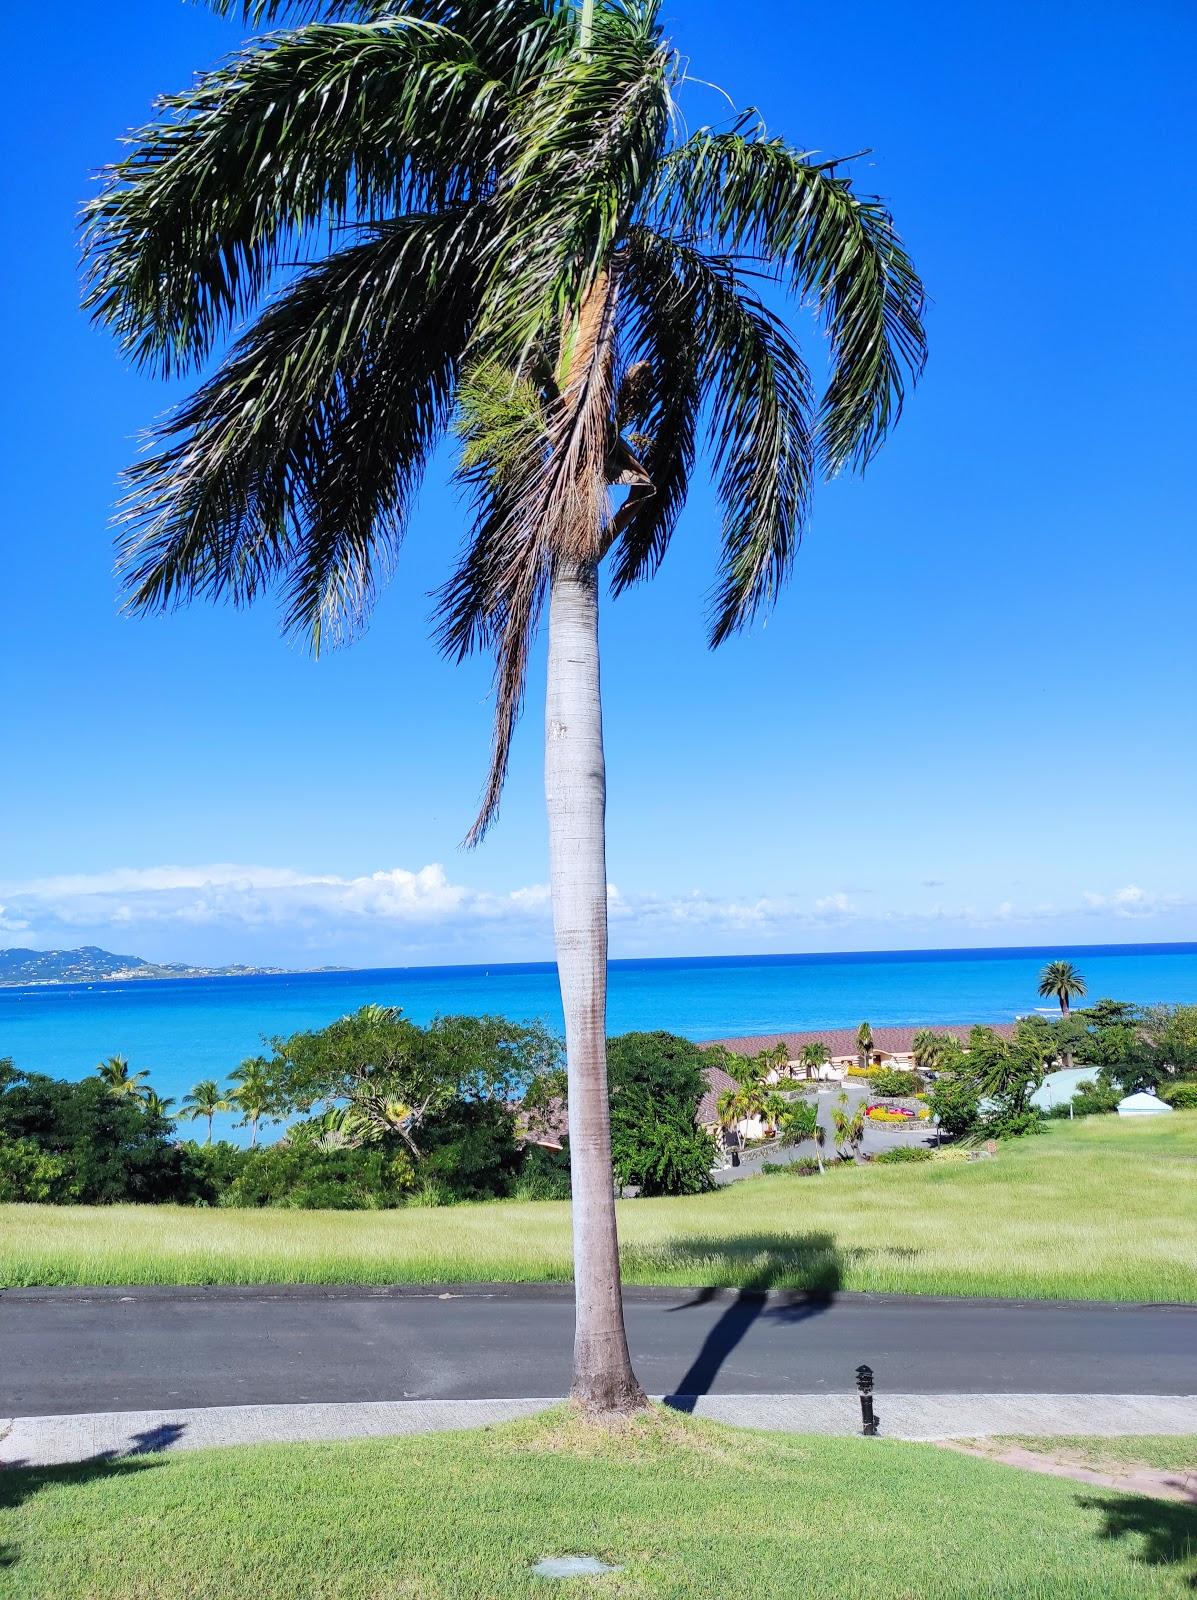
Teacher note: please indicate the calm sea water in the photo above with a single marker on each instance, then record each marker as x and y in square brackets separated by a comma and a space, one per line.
[186, 1029]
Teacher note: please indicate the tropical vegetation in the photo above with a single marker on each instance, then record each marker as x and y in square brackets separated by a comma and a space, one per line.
[509, 232]
[1103, 1208]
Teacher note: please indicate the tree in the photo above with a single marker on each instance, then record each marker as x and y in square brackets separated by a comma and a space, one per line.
[82, 1144]
[932, 1050]
[114, 1074]
[254, 1094]
[524, 246]
[1061, 979]
[814, 1057]
[155, 1104]
[864, 1045]
[849, 1127]
[798, 1124]
[205, 1100]
[388, 1077]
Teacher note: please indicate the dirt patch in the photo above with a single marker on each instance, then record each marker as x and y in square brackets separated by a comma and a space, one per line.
[1157, 1482]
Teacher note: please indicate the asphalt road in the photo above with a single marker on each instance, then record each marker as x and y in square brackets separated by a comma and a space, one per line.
[64, 1351]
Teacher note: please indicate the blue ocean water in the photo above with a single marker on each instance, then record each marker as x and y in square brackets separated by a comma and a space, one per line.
[192, 1028]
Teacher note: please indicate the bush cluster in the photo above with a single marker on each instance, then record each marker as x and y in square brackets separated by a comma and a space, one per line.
[893, 1082]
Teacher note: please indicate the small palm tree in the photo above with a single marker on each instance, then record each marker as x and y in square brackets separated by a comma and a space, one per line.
[771, 1108]
[1061, 979]
[733, 1107]
[117, 1078]
[814, 1057]
[153, 1102]
[800, 1123]
[254, 1094]
[849, 1126]
[864, 1045]
[508, 235]
[205, 1100]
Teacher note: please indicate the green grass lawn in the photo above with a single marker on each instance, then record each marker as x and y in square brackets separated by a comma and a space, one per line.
[685, 1508]
[1103, 1208]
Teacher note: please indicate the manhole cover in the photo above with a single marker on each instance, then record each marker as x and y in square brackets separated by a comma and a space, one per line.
[571, 1567]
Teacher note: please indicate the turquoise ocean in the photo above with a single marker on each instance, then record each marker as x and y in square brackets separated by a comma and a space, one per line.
[191, 1028]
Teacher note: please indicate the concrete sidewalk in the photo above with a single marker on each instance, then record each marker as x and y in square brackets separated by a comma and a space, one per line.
[60, 1440]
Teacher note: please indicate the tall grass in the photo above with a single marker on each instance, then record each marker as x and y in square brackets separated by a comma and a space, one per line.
[1099, 1209]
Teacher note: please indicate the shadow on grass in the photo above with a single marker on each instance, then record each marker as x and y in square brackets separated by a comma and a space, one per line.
[20, 1481]
[768, 1260]
[1166, 1529]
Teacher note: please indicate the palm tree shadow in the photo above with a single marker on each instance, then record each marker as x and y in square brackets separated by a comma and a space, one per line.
[768, 1259]
[20, 1481]
[1166, 1529]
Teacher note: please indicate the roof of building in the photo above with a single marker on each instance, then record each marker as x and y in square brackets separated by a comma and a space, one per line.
[842, 1041]
[718, 1082]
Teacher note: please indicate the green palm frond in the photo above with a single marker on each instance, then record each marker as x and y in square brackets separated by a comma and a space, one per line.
[297, 462]
[586, 140]
[309, 129]
[760, 196]
[757, 390]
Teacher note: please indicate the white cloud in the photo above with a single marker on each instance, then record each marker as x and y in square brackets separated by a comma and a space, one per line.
[225, 911]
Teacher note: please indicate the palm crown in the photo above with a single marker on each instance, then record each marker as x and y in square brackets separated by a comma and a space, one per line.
[504, 233]
[1061, 979]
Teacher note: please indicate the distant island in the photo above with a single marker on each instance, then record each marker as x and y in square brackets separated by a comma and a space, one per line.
[90, 964]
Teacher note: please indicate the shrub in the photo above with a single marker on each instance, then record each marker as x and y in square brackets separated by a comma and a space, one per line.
[1182, 1096]
[907, 1152]
[111, 1147]
[1092, 1098]
[955, 1100]
[656, 1148]
[544, 1175]
[891, 1082]
[896, 1116]
[27, 1173]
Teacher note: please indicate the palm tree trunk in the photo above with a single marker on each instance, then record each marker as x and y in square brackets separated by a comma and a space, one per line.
[208, 1140]
[253, 1133]
[576, 799]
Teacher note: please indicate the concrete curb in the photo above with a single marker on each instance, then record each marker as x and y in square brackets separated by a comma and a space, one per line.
[116, 1435]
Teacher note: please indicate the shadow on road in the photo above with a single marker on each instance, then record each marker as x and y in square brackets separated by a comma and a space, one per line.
[1167, 1531]
[767, 1259]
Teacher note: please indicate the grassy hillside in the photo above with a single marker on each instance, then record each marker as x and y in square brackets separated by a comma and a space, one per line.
[1100, 1209]
[685, 1509]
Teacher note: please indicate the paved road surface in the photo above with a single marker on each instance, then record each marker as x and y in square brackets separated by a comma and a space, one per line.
[67, 1351]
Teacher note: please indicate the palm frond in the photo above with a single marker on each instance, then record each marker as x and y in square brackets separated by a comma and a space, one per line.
[757, 389]
[306, 129]
[759, 195]
[585, 139]
[296, 463]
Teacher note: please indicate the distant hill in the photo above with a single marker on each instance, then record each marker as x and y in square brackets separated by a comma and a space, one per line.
[90, 964]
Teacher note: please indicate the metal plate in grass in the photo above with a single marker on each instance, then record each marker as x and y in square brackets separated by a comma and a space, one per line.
[571, 1567]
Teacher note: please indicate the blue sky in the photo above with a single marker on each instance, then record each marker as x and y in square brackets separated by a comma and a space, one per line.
[970, 721]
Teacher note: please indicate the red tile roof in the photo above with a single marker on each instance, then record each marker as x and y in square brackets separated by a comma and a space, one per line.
[717, 1082]
[842, 1041]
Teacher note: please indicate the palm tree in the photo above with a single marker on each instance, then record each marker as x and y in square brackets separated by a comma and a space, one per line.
[254, 1095]
[1060, 978]
[848, 1125]
[864, 1045]
[735, 1106]
[205, 1100]
[814, 1057]
[521, 244]
[154, 1104]
[800, 1123]
[118, 1080]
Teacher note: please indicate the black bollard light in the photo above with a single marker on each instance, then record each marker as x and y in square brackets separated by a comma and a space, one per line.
[864, 1382]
